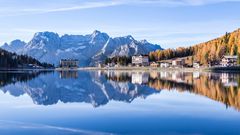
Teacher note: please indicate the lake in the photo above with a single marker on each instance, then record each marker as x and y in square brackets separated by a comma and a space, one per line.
[119, 102]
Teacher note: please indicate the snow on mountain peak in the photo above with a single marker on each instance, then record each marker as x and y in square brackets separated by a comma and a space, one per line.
[96, 32]
[130, 37]
[45, 39]
[45, 34]
[98, 36]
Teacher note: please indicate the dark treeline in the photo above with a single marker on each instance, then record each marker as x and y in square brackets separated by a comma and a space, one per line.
[12, 60]
[122, 60]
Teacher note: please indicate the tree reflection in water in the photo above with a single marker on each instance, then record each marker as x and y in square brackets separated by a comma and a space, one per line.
[11, 77]
[222, 87]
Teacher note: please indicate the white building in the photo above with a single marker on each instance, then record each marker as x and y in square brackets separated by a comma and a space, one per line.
[196, 65]
[178, 62]
[228, 61]
[165, 65]
[69, 63]
[141, 60]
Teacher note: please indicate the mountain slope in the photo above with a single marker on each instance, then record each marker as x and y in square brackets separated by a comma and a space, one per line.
[89, 49]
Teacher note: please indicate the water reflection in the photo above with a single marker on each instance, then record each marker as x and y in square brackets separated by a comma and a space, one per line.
[65, 74]
[222, 87]
[11, 77]
[100, 87]
[88, 87]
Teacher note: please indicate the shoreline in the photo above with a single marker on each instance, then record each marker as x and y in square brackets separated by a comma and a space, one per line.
[148, 68]
[184, 69]
[142, 68]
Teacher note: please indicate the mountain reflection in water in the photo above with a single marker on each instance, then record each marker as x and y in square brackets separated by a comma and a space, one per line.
[100, 87]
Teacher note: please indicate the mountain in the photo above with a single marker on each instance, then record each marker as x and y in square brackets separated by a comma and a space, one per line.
[208, 52]
[14, 46]
[9, 60]
[89, 49]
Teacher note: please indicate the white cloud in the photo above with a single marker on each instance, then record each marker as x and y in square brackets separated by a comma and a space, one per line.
[87, 5]
[41, 9]
[183, 2]
[65, 6]
[175, 3]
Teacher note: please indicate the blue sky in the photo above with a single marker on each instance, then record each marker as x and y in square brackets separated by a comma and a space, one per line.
[170, 23]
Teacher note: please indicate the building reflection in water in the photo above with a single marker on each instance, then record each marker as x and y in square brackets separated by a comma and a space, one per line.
[228, 80]
[66, 74]
[140, 78]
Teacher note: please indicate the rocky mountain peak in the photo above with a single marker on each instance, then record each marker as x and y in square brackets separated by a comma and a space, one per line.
[50, 47]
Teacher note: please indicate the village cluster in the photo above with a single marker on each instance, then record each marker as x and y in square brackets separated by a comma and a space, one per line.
[143, 61]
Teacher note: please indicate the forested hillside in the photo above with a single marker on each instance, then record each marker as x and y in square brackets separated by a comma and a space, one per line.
[208, 52]
[12, 60]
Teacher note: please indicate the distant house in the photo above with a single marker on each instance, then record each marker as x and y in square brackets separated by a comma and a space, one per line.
[165, 64]
[228, 61]
[117, 65]
[154, 64]
[69, 63]
[110, 64]
[196, 65]
[178, 62]
[99, 65]
[141, 60]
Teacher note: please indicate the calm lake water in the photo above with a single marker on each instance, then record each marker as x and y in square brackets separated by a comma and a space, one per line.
[118, 102]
